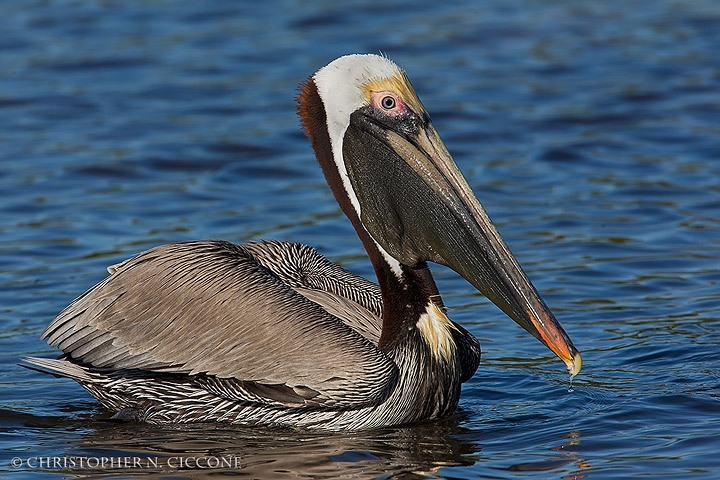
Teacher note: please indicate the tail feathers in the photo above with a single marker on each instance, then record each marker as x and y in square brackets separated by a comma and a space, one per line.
[59, 367]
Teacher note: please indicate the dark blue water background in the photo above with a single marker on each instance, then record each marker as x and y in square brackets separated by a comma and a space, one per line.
[590, 131]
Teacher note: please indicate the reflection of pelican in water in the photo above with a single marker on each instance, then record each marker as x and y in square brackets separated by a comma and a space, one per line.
[427, 450]
[273, 333]
[253, 452]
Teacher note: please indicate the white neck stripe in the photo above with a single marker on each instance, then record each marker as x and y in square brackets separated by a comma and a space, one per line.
[339, 85]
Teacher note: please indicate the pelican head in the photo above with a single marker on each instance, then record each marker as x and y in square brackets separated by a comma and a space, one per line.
[406, 197]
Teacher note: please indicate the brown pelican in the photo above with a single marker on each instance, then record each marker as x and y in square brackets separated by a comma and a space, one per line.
[272, 332]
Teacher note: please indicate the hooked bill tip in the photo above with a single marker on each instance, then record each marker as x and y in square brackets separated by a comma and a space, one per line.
[574, 364]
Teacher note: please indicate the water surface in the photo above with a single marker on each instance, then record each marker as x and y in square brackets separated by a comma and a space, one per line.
[589, 132]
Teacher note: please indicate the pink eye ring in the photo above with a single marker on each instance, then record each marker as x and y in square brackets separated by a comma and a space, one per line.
[388, 102]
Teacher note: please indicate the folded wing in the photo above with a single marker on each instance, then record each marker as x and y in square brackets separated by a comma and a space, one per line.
[211, 310]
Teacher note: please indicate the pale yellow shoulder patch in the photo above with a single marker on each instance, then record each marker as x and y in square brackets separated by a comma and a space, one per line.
[436, 329]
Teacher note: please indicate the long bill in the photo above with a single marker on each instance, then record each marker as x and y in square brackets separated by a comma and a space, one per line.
[429, 212]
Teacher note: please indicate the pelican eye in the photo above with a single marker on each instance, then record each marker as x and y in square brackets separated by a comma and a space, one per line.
[388, 102]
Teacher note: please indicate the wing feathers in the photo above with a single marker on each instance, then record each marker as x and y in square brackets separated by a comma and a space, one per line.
[210, 308]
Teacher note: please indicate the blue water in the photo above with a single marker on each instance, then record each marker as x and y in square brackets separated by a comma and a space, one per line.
[590, 132]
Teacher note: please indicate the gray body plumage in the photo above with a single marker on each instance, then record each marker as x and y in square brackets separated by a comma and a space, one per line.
[263, 333]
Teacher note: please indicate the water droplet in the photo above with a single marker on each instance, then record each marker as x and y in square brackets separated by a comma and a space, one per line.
[570, 387]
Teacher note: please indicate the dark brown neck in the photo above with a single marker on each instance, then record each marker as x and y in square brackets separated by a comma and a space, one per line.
[405, 296]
